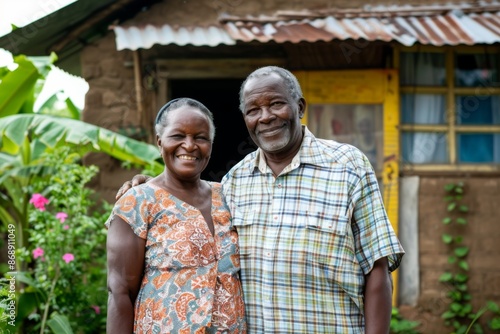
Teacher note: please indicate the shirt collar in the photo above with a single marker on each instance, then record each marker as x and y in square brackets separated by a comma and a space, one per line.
[310, 152]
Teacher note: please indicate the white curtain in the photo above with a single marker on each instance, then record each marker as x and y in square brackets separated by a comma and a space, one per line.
[421, 69]
[428, 147]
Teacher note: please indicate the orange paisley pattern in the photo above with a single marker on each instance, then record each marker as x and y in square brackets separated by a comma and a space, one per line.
[190, 282]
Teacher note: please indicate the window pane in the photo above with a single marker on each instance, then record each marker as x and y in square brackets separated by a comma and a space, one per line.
[477, 70]
[360, 125]
[422, 69]
[424, 147]
[478, 109]
[423, 109]
[478, 147]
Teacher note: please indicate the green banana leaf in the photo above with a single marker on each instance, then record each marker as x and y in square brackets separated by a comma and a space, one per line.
[74, 111]
[52, 107]
[59, 324]
[4, 71]
[20, 87]
[45, 131]
[17, 87]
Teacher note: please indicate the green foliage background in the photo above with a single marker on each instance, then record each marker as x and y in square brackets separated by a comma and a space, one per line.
[41, 152]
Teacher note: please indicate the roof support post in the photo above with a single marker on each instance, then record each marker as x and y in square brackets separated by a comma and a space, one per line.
[138, 88]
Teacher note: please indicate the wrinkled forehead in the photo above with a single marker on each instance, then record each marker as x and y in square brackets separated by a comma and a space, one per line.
[264, 84]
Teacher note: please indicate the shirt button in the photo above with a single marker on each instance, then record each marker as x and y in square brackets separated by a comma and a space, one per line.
[268, 254]
[279, 185]
[275, 217]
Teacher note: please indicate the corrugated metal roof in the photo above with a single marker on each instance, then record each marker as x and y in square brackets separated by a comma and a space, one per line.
[134, 38]
[431, 25]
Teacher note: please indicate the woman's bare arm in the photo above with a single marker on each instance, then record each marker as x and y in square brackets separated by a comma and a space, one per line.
[125, 251]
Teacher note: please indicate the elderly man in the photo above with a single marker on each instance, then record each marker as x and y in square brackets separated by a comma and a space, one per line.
[316, 244]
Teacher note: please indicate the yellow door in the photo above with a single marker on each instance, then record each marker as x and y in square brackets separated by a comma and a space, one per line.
[361, 108]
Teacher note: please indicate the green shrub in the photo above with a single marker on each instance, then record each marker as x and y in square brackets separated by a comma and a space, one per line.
[399, 325]
[67, 255]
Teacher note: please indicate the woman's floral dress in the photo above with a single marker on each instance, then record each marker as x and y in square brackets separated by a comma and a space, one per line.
[191, 282]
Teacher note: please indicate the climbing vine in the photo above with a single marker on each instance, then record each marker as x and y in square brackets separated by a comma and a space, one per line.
[460, 314]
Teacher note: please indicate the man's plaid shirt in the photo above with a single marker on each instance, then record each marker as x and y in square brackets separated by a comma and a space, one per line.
[309, 237]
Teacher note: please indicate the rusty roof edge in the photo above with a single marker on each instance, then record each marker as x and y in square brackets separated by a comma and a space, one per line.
[451, 28]
[376, 12]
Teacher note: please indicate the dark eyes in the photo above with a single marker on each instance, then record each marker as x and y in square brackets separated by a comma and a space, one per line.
[180, 136]
[272, 105]
[277, 105]
[252, 111]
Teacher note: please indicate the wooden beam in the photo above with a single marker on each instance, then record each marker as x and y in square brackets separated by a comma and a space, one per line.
[87, 24]
[212, 68]
[440, 169]
[138, 87]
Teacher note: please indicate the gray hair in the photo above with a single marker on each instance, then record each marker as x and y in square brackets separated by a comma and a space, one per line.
[162, 119]
[291, 82]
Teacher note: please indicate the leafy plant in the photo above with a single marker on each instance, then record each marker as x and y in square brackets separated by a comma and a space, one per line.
[18, 87]
[494, 323]
[21, 87]
[460, 314]
[25, 136]
[460, 309]
[67, 250]
[7, 298]
[399, 325]
[24, 139]
[62, 289]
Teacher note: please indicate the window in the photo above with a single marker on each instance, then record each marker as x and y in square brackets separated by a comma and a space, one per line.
[450, 108]
[360, 125]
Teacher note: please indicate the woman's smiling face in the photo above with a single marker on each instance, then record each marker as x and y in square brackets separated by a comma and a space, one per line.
[185, 143]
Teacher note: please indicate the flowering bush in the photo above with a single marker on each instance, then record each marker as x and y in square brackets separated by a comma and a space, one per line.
[67, 252]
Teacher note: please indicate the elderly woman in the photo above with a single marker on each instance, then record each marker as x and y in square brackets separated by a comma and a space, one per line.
[173, 257]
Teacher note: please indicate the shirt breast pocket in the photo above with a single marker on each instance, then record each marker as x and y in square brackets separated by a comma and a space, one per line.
[244, 222]
[328, 238]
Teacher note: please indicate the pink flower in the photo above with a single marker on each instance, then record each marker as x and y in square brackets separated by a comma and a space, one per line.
[68, 257]
[61, 216]
[66, 227]
[96, 309]
[39, 201]
[37, 252]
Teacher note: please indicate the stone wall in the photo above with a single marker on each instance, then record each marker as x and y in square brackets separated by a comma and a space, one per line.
[109, 103]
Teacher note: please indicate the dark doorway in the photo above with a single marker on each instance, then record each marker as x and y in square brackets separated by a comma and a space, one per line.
[232, 141]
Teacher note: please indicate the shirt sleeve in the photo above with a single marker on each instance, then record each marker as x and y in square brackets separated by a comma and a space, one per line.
[373, 233]
[133, 209]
